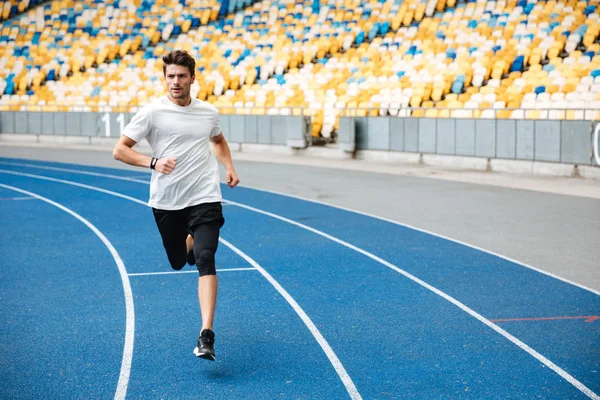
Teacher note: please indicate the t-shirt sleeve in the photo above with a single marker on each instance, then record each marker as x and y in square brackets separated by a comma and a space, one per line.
[140, 125]
[216, 128]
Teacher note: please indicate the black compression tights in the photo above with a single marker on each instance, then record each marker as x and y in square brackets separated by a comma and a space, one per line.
[206, 241]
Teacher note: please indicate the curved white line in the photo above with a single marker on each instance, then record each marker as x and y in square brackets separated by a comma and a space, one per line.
[427, 232]
[447, 297]
[129, 310]
[335, 361]
[565, 280]
[81, 185]
[46, 167]
[337, 365]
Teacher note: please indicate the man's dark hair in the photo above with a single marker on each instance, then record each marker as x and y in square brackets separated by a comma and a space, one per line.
[179, 57]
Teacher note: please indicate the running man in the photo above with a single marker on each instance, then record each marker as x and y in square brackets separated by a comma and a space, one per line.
[185, 195]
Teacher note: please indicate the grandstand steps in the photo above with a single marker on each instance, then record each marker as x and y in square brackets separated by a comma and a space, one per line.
[327, 75]
[110, 56]
[14, 9]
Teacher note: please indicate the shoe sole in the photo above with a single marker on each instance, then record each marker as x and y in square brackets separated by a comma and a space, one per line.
[205, 356]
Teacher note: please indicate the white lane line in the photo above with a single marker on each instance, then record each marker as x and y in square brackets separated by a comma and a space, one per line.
[339, 368]
[427, 232]
[16, 198]
[339, 208]
[47, 178]
[189, 272]
[445, 296]
[335, 361]
[121, 390]
[123, 178]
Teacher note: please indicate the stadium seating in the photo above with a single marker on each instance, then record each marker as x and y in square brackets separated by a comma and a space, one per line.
[420, 58]
[10, 9]
[63, 42]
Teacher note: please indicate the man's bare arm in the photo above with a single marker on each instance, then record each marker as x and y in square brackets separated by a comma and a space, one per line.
[223, 153]
[124, 152]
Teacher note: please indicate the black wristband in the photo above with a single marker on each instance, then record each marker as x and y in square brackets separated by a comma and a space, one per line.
[153, 163]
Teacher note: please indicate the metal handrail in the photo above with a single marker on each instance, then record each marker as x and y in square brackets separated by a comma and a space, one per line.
[346, 112]
[352, 112]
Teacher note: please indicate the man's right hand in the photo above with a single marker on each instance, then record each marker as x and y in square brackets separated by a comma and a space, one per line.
[165, 165]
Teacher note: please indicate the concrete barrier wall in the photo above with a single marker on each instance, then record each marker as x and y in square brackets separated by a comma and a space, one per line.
[558, 141]
[553, 141]
[64, 123]
[291, 131]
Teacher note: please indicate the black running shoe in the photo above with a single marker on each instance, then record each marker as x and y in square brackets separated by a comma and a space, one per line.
[191, 260]
[205, 348]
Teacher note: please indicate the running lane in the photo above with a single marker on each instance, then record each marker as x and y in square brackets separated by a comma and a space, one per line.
[393, 335]
[494, 287]
[61, 303]
[259, 336]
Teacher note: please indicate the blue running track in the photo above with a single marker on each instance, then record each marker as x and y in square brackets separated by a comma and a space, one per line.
[315, 302]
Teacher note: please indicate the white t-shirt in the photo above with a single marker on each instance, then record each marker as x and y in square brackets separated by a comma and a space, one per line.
[181, 133]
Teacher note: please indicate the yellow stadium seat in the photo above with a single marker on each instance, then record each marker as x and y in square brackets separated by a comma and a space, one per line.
[415, 101]
[503, 114]
[431, 113]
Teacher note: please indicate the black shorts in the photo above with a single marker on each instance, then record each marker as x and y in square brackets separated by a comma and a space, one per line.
[202, 221]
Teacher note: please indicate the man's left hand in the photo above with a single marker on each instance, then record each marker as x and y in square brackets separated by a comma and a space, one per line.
[232, 178]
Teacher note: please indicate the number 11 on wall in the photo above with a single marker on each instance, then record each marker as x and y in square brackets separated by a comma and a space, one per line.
[106, 120]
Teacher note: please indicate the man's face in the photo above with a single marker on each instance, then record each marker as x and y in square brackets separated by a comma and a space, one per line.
[178, 81]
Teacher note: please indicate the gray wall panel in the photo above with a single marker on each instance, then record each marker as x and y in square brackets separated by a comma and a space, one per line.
[103, 124]
[7, 122]
[427, 132]
[485, 138]
[465, 137]
[48, 124]
[224, 123]
[278, 130]
[263, 124]
[73, 123]
[576, 142]
[35, 122]
[525, 139]
[295, 132]
[21, 122]
[361, 132]
[236, 128]
[446, 136]
[547, 140]
[89, 124]
[379, 133]
[346, 137]
[280, 127]
[60, 123]
[411, 134]
[250, 129]
[506, 140]
[397, 134]
[117, 120]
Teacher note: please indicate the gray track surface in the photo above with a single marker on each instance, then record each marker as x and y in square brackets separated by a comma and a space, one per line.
[556, 233]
